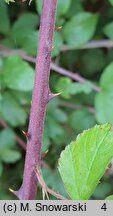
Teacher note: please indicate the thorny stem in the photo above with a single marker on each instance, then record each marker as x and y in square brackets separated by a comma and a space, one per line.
[40, 98]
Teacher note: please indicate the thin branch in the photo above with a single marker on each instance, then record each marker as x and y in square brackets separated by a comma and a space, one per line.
[46, 189]
[105, 43]
[54, 67]
[74, 76]
[91, 45]
[76, 106]
[40, 98]
[18, 139]
[22, 143]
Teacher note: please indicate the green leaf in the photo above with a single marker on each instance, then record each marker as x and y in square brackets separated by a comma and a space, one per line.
[23, 28]
[10, 156]
[62, 7]
[23, 98]
[11, 111]
[83, 162]
[75, 7]
[8, 1]
[109, 197]
[57, 42]
[53, 130]
[1, 74]
[67, 87]
[59, 115]
[80, 29]
[106, 80]
[4, 19]
[75, 88]
[1, 64]
[46, 140]
[26, 20]
[103, 100]
[38, 6]
[29, 43]
[87, 119]
[18, 74]
[108, 30]
[97, 60]
[7, 139]
[1, 169]
[111, 1]
[104, 107]
[102, 190]
[61, 86]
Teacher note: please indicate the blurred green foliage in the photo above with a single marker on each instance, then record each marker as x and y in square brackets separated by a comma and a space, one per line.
[71, 112]
[79, 161]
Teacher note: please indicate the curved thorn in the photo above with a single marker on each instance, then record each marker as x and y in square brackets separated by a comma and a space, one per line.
[52, 95]
[57, 28]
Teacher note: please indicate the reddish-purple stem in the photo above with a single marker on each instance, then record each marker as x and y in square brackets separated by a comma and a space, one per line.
[40, 98]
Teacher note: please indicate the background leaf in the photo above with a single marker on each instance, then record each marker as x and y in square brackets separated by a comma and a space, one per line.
[88, 119]
[80, 29]
[53, 180]
[93, 60]
[8, 1]
[7, 142]
[1, 168]
[109, 197]
[106, 80]
[23, 27]
[102, 190]
[111, 1]
[67, 87]
[53, 130]
[18, 74]
[7, 138]
[57, 43]
[62, 7]
[10, 156]
[104, 107]
[103, 100]
[11, 111]
[4, 19]
[108, 30]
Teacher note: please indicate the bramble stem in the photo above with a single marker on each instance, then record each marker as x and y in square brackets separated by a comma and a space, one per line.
[40, 97]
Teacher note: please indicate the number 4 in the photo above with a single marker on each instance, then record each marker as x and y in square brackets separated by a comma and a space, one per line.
[104, 207]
